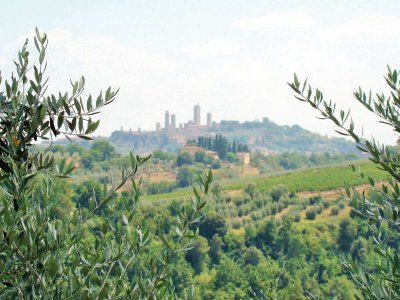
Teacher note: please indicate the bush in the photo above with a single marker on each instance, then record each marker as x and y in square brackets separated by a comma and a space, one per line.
[311, 213]
[285, 202]
[216, 165]
[252, 256]
[231, 157]
[335, 210]
[304, 203]
[315, 200]
[185, 159]
[325, 203]
[274, 209]
[278, 191]
[238, 201]
[160, 187]
[184, 177]
[199, 157]
[297, 217]
[251, 190]
[236, 224]
[213, 224]
[163, 155]
[347, 234]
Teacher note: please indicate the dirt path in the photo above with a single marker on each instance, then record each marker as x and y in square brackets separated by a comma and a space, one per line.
[333, 194]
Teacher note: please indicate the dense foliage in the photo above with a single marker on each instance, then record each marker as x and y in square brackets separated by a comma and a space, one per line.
[381, 207]
[221, 145]
[264, 243]
[260, 238]
[95, 249]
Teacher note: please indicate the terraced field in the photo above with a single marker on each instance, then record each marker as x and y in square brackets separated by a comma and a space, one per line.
[310, 180]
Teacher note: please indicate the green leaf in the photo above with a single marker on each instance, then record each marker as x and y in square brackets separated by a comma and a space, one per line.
[89, 105]
[125, 220]
[42, 55]
[85, 137]
[77, 106]
[165, 242]
[60, 120]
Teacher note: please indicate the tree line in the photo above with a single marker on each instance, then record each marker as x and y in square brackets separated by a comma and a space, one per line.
[220, 144]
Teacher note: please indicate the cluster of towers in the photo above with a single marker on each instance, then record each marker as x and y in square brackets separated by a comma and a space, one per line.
[170, 120]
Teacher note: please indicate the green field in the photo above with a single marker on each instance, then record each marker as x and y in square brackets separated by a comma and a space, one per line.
[313, 179]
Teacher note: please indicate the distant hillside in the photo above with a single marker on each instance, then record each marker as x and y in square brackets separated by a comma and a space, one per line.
[265, 135]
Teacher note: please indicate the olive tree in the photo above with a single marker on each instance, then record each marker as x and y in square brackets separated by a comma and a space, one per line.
[49, 257]
[382, 206]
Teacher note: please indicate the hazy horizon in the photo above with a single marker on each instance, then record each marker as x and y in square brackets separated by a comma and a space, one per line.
[232, 58]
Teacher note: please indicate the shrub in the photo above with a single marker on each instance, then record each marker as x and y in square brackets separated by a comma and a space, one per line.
[341, 204]
[297, 217]
[185, 159]
[278, 191]
[213, 224]
[335, 210]
[311, 213]
[236, 224]
[274, 209]
[184, 177]
[160, 187]
[231, 157]
[325, 203]
[251, 190]
[238, 201]
[216, 165]
[315, 200]
[285, 202]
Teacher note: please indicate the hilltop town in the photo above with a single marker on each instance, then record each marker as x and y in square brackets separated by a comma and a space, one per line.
[262, 136]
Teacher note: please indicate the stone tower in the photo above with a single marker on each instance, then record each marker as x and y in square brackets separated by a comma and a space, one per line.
[167, 119]
[196, 115]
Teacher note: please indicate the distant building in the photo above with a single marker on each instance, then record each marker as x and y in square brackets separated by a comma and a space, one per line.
[212, 154]
[209, 119]
[191, 149]
[167, 119]
[243, 157]
[196, 115]
[188, 124]
[158, 127]
[264, 151]
[173, 121]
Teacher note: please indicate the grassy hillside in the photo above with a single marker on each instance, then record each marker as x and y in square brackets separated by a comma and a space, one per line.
[313, 179]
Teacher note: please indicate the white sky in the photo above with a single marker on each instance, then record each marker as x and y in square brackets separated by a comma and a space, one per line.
[232, 57]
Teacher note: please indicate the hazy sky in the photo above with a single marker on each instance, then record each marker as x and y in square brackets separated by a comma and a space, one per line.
[232, 57]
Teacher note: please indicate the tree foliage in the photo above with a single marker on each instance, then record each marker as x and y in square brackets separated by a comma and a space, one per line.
[381, 207]
[85, 255]
[221, 145]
